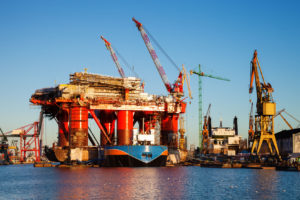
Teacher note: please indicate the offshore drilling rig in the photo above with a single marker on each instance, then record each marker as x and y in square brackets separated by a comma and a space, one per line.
[109, 101]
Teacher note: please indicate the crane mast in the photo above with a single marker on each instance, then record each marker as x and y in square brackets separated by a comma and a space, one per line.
[114, 57]
[200, 74]
[265, 109]
[154, 57]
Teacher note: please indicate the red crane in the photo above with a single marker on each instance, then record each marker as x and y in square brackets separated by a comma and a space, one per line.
[177, 87]
[114, 57]
[29, 142]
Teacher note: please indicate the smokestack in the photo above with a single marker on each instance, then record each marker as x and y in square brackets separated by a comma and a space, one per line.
[235, 125]
[209, 127]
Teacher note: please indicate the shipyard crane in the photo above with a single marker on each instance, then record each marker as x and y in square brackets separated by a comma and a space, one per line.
[29, 142]
[265, 109]
[200, 74]
[114, 57]
[279, 113]
[251, 123]
[4, 139]
[284, 119]
[175, 89]
[298, 126]
[4, 146]
[205, 132]
[186, 78]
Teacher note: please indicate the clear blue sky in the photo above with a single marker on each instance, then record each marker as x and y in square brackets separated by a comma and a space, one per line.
[44, 41]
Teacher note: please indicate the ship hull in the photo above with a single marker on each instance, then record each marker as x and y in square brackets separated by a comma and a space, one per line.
[135, 156]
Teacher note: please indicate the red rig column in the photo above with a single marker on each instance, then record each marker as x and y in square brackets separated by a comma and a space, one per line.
[78, 126]
[107, 119]
[63, 128]
[169, 130]
[125, 127]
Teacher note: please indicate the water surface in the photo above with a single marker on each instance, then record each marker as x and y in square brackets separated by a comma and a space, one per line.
[27, 182]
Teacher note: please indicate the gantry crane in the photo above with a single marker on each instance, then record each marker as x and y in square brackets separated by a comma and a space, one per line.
[114, 57]
[265, 111]
[177, 88]
[205, 132]
[200, 74]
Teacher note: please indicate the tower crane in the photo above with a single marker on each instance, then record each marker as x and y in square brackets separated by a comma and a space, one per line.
[114, 57]
[200, 74]
[265, 109]
[176, 89]
[205, 132]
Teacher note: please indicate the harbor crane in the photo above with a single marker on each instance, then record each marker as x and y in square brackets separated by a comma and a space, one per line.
[285, 120]
[265, 111]
[200, 74]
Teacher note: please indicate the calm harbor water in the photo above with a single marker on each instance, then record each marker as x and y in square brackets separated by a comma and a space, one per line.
[27, 182]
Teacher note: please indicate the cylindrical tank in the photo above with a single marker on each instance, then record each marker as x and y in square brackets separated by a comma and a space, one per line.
[169, 131]
[63, 128]
[107, 119]
[78, 126]
[125, 127]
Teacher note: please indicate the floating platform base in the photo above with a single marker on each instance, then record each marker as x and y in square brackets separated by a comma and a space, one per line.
[135, 156]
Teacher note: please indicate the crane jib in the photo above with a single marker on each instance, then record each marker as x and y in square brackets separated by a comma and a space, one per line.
[155, 59]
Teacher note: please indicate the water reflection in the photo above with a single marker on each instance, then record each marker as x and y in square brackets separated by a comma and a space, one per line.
[27, 182]
[121, 183]
[265, 184]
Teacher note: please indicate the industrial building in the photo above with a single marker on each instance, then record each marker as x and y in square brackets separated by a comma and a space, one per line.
[288, 142]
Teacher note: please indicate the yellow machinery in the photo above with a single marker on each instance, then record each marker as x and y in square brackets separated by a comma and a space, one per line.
[265, 109]
[182, 132]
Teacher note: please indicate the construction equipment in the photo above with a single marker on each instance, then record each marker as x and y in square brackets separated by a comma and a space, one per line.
[176, 89]
[284, 119]
[182, 132]
[4, 138]
[251, 125]
[4, 148]
[28, 145]
[205, 132]
[279, 113]
[200, 74]
[186, 78]
[114, 57]
[265, 109]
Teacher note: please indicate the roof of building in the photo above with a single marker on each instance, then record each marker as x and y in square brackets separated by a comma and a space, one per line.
[287, 133]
